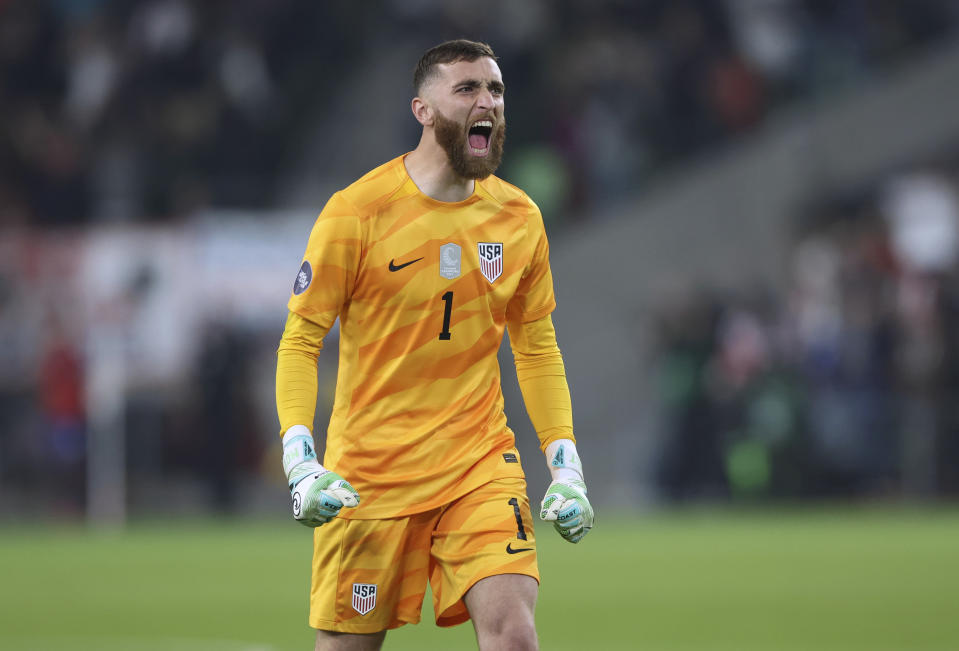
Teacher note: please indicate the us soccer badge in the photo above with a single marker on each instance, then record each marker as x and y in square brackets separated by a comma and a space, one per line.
[364, 597]
[491, 259]
[450, 261]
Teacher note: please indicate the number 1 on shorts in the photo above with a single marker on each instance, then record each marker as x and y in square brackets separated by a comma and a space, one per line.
[520, 531]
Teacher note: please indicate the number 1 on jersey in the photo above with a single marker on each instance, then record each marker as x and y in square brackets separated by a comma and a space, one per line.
[445, 334]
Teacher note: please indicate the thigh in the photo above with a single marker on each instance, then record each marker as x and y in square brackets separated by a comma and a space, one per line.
[487, 532]
[502, 608]
[369, 575]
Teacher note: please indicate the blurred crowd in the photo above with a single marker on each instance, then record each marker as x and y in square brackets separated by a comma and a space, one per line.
[151, 109]
[844, 384]
[147, 112]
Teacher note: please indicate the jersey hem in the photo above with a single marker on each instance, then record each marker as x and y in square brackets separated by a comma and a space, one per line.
[464, 488]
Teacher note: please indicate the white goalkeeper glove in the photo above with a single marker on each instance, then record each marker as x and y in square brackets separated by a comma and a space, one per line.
[318, 494]
[565, 503]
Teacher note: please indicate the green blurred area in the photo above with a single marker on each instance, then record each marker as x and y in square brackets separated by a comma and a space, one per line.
[847, 579]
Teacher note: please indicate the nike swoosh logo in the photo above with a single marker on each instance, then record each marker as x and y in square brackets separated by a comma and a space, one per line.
[397, 267]
[510, 550]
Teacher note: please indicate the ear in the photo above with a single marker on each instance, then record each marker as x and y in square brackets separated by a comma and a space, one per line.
[422, 111]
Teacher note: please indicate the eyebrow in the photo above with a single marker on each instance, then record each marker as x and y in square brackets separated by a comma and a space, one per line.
[492, 85]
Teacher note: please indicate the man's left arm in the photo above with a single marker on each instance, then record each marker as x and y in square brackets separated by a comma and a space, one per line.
[542, 381]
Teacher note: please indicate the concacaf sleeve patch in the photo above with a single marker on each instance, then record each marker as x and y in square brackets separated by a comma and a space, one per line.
[303, 278]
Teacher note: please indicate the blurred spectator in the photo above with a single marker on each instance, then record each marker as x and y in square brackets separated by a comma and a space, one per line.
[922, 210]
[691, 465]
[62, 442]
[222, 403]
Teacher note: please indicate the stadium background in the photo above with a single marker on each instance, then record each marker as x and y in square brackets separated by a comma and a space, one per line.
[753, 208]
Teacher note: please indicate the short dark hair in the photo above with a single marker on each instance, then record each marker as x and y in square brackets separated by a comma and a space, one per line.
[448, 52]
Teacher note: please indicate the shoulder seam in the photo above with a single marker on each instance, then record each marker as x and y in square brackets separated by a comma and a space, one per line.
[384, 198]
[487, 183]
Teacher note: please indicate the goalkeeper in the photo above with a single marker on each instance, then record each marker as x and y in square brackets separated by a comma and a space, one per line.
[426, 261]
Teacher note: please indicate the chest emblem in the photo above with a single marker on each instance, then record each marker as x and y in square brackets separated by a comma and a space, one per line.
[451, 256]
[491, 259]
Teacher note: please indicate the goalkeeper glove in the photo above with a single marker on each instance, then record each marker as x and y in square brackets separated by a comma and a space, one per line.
[565, 503]
[318, 494]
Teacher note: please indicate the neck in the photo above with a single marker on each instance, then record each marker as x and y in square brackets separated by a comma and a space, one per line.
[430, 169]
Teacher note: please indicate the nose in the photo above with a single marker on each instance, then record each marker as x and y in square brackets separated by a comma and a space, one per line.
[485, 100]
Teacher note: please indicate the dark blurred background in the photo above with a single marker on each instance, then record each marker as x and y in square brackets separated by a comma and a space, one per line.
[753, 207]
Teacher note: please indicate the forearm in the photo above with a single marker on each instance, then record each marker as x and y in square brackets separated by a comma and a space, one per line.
[295, 388]
[542, 380]
[296, 372]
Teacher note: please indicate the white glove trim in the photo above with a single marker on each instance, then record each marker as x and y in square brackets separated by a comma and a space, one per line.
[563, 460]
[298, 447]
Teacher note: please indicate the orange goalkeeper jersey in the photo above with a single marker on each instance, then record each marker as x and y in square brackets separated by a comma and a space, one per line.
[423, 290]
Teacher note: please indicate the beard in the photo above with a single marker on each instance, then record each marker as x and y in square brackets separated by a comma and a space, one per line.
[452, 137]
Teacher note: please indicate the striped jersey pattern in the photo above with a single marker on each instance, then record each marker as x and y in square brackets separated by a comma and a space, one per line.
[423, 290]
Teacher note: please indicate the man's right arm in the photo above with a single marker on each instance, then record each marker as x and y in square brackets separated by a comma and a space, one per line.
[318, 494]
[322, 286]
[296, 358]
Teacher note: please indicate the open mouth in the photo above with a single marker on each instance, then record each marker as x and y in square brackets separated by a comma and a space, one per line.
[479, 137]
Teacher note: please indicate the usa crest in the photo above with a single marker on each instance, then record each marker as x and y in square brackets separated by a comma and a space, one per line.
[364, 597]
[491, 259]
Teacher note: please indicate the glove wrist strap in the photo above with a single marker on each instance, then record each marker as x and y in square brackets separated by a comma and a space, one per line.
[298, 448]
[563, 460]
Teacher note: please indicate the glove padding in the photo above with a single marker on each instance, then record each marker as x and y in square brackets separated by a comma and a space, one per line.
[566, 506]
[319, 494]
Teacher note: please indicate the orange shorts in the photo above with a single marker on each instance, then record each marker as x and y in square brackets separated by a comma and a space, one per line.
[371, 575]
